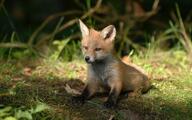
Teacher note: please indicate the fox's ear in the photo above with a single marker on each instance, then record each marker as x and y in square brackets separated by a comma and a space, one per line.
[109, 33]
[84, 29]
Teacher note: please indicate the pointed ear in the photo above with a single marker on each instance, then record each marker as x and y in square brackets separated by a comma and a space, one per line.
[109, 33]
[84, 29]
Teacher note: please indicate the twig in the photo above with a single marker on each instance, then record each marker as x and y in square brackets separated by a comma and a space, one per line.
[186, 37]
[92, 10]
[155, 5]
[68, 24]
[126, 40]
[46, 22]
[5, 94]
[111, 117]
[73, 21]
[135, 46]
[20, 45]
[10, 50]
[56, 29]
[147, 15]
[13, 45]
[9, 20]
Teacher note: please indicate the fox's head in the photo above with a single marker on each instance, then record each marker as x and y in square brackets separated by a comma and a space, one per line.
[97, 45]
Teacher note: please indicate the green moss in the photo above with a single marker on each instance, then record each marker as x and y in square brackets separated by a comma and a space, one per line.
[170, 97]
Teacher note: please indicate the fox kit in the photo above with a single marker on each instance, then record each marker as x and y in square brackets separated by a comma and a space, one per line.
[105, 70]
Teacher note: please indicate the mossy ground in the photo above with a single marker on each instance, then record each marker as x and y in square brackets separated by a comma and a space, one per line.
[24, 84]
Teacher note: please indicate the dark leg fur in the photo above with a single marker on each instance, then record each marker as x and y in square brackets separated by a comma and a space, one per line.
[112, 99]
[81, 98]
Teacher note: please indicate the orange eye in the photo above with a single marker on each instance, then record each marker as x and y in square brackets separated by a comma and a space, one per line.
[97, 49]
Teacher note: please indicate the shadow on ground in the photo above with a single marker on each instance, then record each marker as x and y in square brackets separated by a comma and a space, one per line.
[53, 93]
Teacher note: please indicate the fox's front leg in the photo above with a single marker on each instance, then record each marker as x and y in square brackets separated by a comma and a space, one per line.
[88, 91]
[115, 90]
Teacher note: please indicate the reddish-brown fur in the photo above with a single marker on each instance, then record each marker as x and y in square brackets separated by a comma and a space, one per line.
[105, 70]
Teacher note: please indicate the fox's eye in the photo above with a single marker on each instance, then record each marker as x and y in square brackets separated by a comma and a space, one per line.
[85, 47]
[97, 49]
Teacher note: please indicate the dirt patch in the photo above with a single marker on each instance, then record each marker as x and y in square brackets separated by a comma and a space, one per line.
[53, 92]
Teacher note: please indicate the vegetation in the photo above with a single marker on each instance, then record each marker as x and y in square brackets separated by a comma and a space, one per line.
[41, 68]
[42, 90]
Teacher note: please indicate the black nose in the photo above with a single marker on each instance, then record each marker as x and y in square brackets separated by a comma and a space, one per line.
[87, 58]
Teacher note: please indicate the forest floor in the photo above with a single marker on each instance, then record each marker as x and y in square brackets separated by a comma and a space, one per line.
[42, 89]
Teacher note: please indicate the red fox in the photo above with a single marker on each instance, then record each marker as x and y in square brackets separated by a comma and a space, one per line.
[105, 70]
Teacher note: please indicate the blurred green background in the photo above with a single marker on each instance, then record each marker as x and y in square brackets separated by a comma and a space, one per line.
[41, 27]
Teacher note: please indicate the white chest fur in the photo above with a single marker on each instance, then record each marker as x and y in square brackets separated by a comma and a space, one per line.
[103, 71]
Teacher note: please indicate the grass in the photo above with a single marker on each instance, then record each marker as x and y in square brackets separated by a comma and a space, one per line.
[41, 89]
[37, 90]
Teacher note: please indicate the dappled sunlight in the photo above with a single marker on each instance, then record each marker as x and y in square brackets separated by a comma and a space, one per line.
[55, 82]
[45, 46]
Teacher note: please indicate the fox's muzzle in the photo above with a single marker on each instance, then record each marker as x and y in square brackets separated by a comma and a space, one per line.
[89, 59]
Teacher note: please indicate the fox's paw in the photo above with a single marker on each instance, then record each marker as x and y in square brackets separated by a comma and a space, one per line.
[110, 104]
[78, 100]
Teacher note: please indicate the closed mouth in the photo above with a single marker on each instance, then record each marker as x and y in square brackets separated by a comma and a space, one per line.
[90, 62]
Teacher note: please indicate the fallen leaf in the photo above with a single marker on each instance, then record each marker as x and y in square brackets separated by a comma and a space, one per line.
[71, 91]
